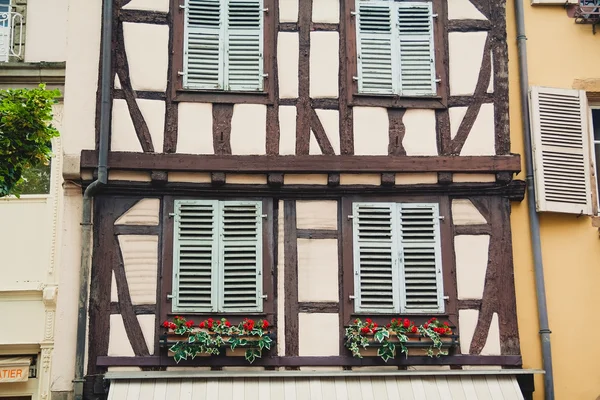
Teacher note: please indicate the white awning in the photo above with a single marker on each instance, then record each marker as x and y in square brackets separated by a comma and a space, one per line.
[324, 386]
[14, 369]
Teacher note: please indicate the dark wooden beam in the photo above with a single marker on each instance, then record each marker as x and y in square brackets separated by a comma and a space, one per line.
[482, 229]
[317, 307]
[144, 17]
[136, 230]
[139, 309]
[468, 25]
[316, 234]
[305, 163]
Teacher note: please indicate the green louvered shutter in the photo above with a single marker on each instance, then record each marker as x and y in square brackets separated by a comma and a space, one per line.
[195, 256]
[203, 44]
[244, 41]
[417, 64]
[421, 263]
[376, 272]
[377, 48]
[240, 258]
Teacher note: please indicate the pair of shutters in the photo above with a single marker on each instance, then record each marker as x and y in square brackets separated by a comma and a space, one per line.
[397, 258]
[223, 47]
[561, 150]
[217, 264]
[395, 48]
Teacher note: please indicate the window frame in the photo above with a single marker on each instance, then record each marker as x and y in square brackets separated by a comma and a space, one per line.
[179, 93]
[449, 296]
[595, 167]
[440, 35]
[167, 250]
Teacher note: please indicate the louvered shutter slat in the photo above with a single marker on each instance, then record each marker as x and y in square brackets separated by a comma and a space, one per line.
[561, 150]
[417, 66]
[376, 72]
[195, 255]
[244, 69]
[421, 271]
[203, 55]
[375, 257]
[241, 256]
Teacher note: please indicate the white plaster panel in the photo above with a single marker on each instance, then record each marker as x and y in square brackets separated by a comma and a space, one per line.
[318, 270]
[288, 10]
[305, 179]
[360, 179]
[456, 115]
[249, 129]
[490, 87]
[324, 341]
[324, 64]
[281, 278]
[420, 135]
[118, 342]
[195, 177]
[44, 44]
[327, 11]
[144, 212]
[471, 264]
[316, 214]
[147, 47]
[129, 176]
[466, 53]
[467, 321]
[153, 112]
[81, 81]
[482, 139]
[463, 9]
[147, 325]
[492, 343]
[123, 136]
[140, 257]
[149, 5]
[416, 178]
[465, 213]
[287, 130]
[330, 119]
[287, 64]
[465, 177]
[194, 131]
[117, 82]
[313, 145]
[114, 295]
[371, 131]
[246, 179]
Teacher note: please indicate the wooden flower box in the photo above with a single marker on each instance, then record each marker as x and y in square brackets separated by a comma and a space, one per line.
[416, 345]
[171, 338]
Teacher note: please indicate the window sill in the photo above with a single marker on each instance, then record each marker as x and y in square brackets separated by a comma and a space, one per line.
[184, 95]
[27, 198]
[395, 101]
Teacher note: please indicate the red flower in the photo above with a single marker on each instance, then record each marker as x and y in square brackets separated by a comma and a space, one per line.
[202, 324]
[265, 324]
[446, 323]
[356, 321]
[210, 324]
[388, 325]
[178, 317]
[172, 325]
[406, 323]
[375, 325]
[426, 326]
[364, 329]
[228, 324]
[210, 320]
[189, 323]
[368, 320]
[393, 320]
[166, 324]
[414, 329]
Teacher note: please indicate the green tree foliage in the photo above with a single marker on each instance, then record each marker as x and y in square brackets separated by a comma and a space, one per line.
[25, 135]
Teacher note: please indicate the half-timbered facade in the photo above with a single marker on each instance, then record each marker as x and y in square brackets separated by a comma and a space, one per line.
[308, 162]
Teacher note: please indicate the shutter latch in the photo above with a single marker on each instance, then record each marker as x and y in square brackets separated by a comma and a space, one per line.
[446, 298]
[353, 13]
[350, 216]
[441, 217]
[434, 15]
[170, 296]
[264, 296]
[265, 216]
[171, 214]
[351, 297]
[355, 78]
[265, 10]
[180, 73]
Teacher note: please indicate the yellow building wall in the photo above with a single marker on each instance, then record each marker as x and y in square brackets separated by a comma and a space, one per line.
[559, 54]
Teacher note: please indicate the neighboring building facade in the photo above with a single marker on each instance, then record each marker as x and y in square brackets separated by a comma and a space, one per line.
[565, 120]
[325, 160]
[32, 51]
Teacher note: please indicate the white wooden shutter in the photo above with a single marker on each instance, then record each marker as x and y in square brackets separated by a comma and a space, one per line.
[561, 150]
[376, 283]
[377, 48]
[421, 260]
[417, 64]
[203, 44]
[244, 41]
[240, 258]
[195, 256]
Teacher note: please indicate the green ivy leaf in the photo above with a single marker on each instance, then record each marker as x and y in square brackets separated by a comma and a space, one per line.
[381, 334]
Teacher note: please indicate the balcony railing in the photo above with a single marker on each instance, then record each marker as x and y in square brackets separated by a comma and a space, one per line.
[586, 12]
[11, 35]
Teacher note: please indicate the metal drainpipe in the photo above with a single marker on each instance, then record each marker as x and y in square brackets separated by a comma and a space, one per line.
[534, 222]
[90, 191]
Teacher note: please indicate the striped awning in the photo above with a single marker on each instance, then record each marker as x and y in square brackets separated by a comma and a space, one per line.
[323, 387]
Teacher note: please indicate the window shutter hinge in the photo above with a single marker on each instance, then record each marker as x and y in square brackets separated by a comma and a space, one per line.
[180, 73]
[355, 78]
[434, 15]
[437, 80]
[265, 75]
[170, 296]
[441, 217]
[351, 297]
[183, 7]
[350, 216]
[171, 214]
[446, 297]
[264, 216]
[353, 13]
[265, 10]
[264, 296]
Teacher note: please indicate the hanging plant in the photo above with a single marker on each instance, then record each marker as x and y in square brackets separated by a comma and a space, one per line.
[394, 337]
[210, 336]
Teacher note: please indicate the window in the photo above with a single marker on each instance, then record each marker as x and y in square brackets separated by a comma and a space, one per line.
[595, 128]
[217, 256]
[395, 48]
[223, 45]
[397, 258]
[561, 150]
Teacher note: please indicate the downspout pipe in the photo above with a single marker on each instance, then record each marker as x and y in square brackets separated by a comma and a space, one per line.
[534, 222]
[90, 191]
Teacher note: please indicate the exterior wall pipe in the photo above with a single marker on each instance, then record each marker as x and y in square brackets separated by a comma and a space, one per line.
[90, 191]
[534, 222]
